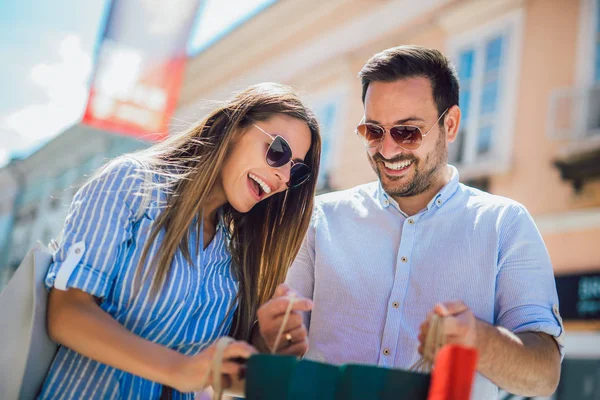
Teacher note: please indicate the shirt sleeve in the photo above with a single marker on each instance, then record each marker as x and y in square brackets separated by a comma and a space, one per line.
[526, 299]
[98, 229]
[301, 276]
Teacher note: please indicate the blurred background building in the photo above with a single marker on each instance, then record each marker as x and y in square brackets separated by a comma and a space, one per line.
[530, 97]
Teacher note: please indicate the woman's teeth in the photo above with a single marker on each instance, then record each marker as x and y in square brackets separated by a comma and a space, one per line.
[262, 184]
[397, 165]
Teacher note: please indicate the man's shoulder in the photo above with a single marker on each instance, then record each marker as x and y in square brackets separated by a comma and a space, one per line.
[348, 198]
[485, 202]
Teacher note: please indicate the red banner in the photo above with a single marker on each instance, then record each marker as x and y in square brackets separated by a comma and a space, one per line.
[140, 67]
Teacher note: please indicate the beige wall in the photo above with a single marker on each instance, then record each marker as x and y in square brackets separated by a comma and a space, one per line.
[548, 60]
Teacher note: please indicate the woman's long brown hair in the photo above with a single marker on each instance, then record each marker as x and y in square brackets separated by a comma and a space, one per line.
[265, 240]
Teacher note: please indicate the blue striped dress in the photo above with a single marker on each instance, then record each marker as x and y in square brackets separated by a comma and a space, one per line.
[188, 313]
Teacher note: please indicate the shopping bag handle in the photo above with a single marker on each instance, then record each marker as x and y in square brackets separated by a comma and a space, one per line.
[217, 363]
[433, 343]
[286, 316]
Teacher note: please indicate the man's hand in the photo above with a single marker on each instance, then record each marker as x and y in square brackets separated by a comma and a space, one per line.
[460, 325]
[526, 363]
[294, 340]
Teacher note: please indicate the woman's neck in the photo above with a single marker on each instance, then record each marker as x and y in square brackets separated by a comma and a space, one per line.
[215, 200]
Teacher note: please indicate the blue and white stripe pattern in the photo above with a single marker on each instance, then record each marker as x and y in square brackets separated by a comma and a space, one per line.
[374, 272]
[187, 314]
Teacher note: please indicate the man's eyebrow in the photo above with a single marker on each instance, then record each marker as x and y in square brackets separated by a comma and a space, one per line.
[412, 118]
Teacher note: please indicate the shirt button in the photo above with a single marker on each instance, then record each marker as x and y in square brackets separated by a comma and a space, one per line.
[438, 202]
[404, 259]
[395, 304]
[386, 352]
[411, 221]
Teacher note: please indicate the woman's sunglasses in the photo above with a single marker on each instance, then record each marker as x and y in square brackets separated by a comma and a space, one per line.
[409, 137]
[279, 154]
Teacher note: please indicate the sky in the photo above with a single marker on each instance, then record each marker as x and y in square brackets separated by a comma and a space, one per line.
[47, 57]
[45, 64]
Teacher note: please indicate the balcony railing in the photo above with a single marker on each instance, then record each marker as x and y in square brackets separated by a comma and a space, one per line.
[574, 122]
[574, 114]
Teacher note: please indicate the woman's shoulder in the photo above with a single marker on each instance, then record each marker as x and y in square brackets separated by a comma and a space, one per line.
[125, 167]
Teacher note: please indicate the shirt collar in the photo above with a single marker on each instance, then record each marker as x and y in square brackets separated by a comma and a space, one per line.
[438, 200]
[221, 225]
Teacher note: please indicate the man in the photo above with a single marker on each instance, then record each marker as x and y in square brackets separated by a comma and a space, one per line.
[378, 259]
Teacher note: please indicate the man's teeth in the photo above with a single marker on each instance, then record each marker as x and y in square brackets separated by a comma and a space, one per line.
[397, 165]
[262, 184]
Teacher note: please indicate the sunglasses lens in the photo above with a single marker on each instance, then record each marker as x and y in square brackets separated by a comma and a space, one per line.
[279, 153]
[299, 174]
[407, 137]
[370, 133]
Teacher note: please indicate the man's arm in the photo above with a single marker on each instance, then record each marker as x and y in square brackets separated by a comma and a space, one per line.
[526, 364]
[520, 352]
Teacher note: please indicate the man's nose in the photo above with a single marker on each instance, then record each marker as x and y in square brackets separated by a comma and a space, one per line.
[388, 148]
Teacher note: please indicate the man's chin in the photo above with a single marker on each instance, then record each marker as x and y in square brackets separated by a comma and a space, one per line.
[395, 188]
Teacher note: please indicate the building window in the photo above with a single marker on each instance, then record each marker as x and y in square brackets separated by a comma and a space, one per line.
[328, 107]
[589, 110]
[326, 114]
[487, 62]
[597, 49]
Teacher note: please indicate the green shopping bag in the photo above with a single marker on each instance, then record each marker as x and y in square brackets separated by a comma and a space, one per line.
[272, 377]
[370, 382]
[287, 378]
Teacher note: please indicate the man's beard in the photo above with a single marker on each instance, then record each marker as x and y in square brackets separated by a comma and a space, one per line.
[424, 171]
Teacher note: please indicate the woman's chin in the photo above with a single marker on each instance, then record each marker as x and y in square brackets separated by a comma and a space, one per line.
[242, 206]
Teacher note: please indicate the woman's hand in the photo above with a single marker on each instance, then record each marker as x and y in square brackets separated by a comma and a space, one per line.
[270, 317]
[188, 376]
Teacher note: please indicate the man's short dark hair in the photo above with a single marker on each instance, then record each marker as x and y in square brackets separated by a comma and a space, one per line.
[414, 61]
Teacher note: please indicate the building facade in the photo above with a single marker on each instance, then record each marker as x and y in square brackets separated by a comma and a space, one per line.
[530, 102]
[36, 191]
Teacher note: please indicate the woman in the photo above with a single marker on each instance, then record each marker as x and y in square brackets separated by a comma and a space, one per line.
[147, 296]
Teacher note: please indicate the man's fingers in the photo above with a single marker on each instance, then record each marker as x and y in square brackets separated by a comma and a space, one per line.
[441, 310]
[450, 308]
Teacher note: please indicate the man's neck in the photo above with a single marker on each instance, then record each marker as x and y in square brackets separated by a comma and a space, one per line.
[411, 205]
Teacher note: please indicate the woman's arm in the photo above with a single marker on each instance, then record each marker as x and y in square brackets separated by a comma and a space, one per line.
[76, 321]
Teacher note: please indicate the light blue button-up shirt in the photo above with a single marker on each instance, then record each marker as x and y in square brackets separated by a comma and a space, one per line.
[374, 272]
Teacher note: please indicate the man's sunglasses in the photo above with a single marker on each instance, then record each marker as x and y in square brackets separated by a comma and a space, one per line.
[279, 154]
[409, 137]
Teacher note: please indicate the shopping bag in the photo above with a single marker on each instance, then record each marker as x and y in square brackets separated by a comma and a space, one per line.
[273, 377]
[26, 350]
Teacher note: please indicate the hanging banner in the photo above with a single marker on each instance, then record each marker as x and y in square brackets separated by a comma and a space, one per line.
[140, 66]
